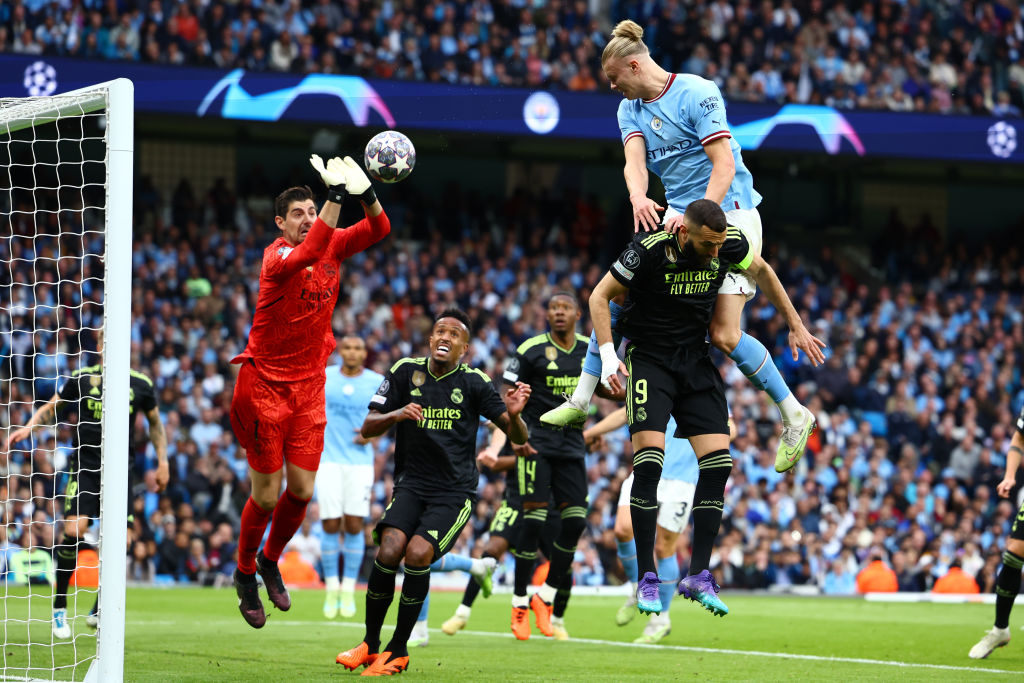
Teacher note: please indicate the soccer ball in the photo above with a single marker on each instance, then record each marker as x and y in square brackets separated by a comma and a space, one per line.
[390, 156]
[40, 79]
[1002, 139]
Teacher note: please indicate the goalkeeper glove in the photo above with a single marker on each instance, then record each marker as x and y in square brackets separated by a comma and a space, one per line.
[356, 181]
[333, 176]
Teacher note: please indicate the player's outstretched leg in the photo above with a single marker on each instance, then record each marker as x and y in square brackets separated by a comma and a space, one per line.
[754, 361]
[458, 621]
[575, 407]
[643, 511]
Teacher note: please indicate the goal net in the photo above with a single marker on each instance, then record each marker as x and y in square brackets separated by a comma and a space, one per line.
[65, 283]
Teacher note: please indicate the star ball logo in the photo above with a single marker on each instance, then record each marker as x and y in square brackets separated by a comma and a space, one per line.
[40, 79]
[541, 113]
[1002, 139]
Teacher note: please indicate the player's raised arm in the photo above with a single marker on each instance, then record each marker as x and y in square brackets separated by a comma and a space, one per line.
[799, 337]
[372, 229]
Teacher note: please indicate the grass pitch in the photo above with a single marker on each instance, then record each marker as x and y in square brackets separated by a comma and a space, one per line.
[194, 634]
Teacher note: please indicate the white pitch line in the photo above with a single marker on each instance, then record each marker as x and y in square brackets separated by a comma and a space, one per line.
[675, 648]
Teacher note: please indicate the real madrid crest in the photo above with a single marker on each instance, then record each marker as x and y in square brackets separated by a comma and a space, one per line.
[714, 263]
[456, 395]
[418, 378]
[550, 352]
[95, 380]
[670, 253]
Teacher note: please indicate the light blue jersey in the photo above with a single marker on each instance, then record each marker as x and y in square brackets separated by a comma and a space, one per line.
[347, 398]
[688, 114]
[680, 460]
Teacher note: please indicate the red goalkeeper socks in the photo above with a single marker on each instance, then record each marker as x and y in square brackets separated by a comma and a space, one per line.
[288, 516]
[254, 523]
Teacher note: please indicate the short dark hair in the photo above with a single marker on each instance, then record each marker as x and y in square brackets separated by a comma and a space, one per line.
[569, 294]
[458, 314]
[293, 194]
[706, 212]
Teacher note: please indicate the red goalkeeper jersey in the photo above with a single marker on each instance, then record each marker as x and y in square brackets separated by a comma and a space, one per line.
[291, 334]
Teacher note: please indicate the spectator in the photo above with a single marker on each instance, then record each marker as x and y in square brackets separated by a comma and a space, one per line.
[877, 576]
[956, 581]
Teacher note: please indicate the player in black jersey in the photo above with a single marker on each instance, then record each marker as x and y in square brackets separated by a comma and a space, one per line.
[1008, 581]
[672, 283]
[81, 397]
[552, 462]
[503, 536]
[436, 404]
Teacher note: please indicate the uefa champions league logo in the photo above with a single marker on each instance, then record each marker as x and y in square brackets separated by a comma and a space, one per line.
[40, 79]
[1002, 139]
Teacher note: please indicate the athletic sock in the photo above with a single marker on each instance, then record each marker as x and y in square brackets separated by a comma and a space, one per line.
[288, 516]
[424, 609]
[668, 573]
[380, 591]
[562, 598]
[563, 550]
[253, 524]
[708, 503]
[1007, 587]
[415, 588]
[643, 505]
[67, 560]
[452, 563]
[592, 361]
[627, 555]
[330, 546]
[526, 549]
[754, 361]
[463, 611]
[352, 549]
[469, 595]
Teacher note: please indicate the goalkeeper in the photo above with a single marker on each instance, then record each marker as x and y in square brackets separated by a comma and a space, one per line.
[278, 410]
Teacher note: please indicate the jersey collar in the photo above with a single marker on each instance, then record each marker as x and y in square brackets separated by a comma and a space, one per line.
[668, 84]
[555, 344]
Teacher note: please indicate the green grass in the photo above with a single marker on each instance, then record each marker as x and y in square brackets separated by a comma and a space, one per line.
[192, 634]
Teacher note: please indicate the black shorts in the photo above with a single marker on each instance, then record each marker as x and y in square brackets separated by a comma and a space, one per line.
[437, 517]
[542, 479]
[508, 520]
[684, 383]
[1017, 531]
[82, 495]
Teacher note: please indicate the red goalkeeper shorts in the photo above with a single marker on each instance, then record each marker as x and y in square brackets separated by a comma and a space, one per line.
[278, 422]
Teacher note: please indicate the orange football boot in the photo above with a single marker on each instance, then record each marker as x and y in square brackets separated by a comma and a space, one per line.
[542, 613]
[386, 665]
[356, 657]
[521, 623]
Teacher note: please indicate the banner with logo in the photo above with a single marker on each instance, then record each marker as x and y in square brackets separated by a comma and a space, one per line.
[408, 106]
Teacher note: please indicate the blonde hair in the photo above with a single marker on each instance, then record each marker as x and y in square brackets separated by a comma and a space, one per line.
[627, 40]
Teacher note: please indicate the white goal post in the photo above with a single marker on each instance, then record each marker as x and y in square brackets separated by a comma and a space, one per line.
[113, 100]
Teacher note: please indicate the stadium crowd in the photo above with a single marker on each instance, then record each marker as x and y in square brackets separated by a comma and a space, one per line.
[876, 54]
[915, 405]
